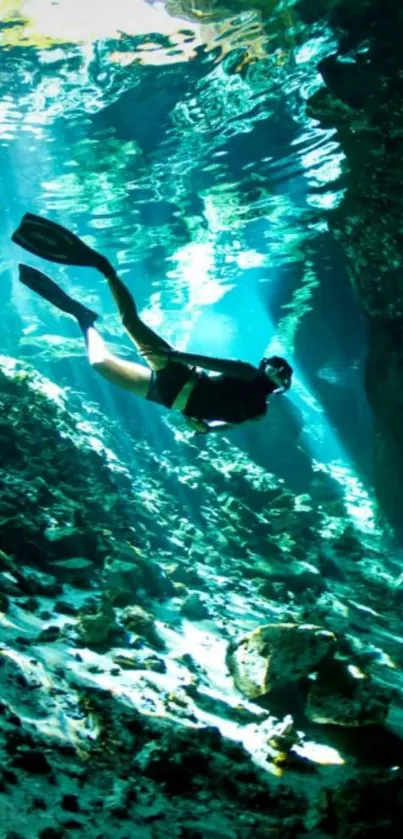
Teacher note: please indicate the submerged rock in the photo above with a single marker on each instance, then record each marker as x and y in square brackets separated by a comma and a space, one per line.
[9, 584]
[74, 570]
[343, 695]
[97, 624]
[194, 608]
[137, 620]
[125, 576]
[370, 805]
[128, 660]
[155, 580]
[122, 580]
[4, 602]
[275, 654]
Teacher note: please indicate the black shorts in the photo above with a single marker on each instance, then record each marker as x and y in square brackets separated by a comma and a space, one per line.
[165, 384]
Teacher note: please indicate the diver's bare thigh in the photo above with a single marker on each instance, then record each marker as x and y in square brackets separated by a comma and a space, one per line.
[125, 374]
[143, 336]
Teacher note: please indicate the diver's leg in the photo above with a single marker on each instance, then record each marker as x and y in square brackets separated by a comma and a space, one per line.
[139, 332]
[47, 288]
[124, 374]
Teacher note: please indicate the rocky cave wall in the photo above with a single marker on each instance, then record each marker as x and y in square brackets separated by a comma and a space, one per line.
[363, 101]
[109, 722]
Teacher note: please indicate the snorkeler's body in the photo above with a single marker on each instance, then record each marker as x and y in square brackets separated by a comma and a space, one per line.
[172, 378]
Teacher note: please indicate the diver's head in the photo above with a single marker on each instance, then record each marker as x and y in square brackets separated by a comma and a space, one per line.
[278, 372]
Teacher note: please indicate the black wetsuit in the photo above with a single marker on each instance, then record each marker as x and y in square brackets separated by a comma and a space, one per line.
[222, 397]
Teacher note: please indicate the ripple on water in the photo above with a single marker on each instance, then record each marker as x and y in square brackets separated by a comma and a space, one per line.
[175, 129]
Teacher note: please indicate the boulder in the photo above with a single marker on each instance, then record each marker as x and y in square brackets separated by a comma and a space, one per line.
[194, 608]
[275, 654]
[97, 624]
[344, 695]
[122, 580]
[77, 570]
[137, 620]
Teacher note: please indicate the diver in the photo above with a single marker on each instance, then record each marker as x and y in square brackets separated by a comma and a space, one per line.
[175, 379]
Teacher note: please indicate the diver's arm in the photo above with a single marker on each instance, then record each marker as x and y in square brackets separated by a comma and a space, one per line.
[199, 426]
[239, 369]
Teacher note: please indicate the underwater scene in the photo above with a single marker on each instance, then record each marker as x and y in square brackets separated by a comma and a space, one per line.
[201, 419]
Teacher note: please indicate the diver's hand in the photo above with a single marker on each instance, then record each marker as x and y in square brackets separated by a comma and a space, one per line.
[198, 426]
[153, 354]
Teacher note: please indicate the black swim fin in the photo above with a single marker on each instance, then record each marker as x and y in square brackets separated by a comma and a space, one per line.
[48, 289]
[49, 240]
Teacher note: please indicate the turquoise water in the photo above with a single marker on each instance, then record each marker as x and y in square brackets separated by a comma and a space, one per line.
[177, 143]
[177, 140]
